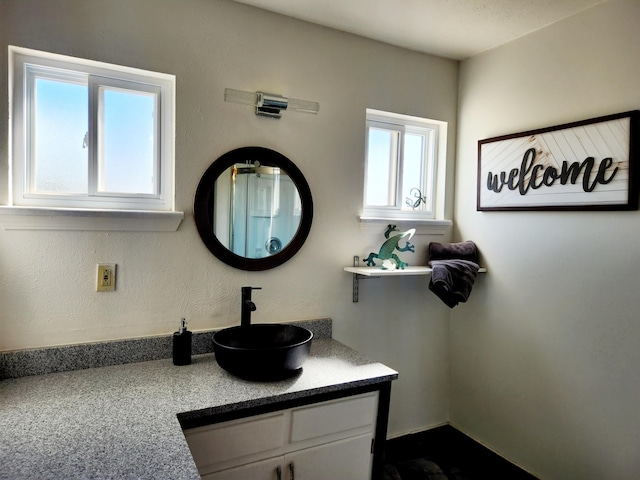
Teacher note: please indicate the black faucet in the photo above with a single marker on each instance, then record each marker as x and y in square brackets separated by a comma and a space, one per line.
[247, 306]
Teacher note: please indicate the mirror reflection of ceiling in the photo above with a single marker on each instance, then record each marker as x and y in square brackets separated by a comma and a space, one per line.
[456, 29]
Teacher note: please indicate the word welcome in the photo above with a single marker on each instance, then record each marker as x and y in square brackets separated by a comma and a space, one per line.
[532, 176]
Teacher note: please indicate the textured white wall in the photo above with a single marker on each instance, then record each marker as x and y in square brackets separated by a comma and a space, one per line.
[47, 289]
[545, 359]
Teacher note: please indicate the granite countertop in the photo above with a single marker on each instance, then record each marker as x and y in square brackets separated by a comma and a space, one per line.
[121, 422]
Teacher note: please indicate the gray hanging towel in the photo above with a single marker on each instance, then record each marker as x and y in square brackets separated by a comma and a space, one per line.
[455, 267]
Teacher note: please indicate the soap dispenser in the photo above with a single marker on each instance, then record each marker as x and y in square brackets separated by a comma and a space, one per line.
[182, 345]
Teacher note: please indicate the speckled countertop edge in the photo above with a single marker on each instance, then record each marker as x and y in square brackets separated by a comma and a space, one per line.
[121, 421]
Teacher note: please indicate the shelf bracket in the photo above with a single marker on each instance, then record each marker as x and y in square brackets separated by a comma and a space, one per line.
[357, 278]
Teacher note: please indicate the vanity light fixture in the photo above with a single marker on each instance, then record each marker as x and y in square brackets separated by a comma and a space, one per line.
[269, 104]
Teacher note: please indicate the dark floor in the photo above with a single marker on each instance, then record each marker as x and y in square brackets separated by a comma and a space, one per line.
[444, 453]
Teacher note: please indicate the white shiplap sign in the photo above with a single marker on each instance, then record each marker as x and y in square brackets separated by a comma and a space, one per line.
[576, 166]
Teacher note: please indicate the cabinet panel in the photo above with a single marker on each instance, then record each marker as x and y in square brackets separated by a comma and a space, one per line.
[225, 441]
[346, 459]
[333, 417]
[331, 440]
[263, 470]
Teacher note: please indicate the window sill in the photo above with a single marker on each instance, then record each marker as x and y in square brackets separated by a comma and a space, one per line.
[370, 224]
[36, 218]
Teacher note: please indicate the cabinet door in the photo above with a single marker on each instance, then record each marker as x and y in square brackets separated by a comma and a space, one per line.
[344, 459]
[271, 469]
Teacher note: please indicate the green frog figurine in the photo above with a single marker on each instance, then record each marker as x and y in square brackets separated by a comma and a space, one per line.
[391, 261]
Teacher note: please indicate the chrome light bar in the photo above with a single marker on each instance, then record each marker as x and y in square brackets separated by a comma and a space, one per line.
[269, 104]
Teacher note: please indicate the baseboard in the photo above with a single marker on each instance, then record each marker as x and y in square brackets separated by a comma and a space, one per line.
[449, 446]
[417, 430]
[491, 450]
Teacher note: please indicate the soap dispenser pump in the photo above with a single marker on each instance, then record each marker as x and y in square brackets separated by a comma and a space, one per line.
[182, 345]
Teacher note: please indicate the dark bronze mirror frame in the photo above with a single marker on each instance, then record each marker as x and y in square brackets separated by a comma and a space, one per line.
[203, 207]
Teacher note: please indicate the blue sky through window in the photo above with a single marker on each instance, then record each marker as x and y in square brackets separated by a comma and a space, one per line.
[127, 139]
[60, 127]
[380, 165]
[128, 143]
[413, 166]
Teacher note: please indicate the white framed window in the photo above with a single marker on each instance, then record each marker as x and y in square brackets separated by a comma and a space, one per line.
[404, 156]
[90, 135]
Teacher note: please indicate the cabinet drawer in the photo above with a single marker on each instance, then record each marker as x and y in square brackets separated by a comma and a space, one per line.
[333, 417]
[226, 441]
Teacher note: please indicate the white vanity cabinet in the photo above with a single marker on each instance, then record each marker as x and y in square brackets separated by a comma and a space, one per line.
[321, 441]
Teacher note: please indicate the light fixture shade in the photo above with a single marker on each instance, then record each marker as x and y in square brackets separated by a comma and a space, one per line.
[240, 96]
[269, 104]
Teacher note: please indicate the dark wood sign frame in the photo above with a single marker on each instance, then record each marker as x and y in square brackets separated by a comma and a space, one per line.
[586, 165]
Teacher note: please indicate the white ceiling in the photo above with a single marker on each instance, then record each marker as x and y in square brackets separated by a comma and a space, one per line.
[455, 29]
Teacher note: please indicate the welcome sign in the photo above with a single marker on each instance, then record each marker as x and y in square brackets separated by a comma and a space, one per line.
[587, 165]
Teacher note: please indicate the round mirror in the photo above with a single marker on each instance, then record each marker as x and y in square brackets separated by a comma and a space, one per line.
[253, 208]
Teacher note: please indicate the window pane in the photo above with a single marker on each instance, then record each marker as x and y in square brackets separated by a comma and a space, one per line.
[382, 154]
[413, 168]
[59, 160]
[127, 160]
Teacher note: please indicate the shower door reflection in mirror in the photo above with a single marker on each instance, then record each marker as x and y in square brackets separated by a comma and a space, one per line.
[258, 210]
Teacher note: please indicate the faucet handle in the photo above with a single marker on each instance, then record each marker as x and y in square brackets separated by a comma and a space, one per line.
[247, 305]
[246, 292]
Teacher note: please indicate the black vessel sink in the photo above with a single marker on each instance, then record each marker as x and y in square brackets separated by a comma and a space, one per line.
[262, 351]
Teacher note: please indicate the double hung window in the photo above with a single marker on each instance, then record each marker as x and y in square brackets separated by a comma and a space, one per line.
[90, 135]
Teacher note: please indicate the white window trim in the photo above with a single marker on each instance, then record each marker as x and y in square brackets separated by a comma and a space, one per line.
[139, 215]
[371, 218]
[374, 225]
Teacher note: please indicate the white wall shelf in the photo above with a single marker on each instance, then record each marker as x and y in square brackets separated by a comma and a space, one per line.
[364, 273]
[376, 272]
